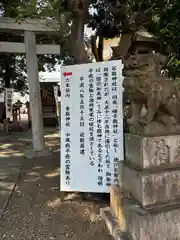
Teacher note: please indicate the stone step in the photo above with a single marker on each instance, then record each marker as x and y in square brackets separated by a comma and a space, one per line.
[151, 188]
[152, 152]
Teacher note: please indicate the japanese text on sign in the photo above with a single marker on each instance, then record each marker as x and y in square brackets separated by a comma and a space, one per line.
[92, 126]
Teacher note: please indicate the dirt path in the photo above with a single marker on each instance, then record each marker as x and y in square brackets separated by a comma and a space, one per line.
[35, 211]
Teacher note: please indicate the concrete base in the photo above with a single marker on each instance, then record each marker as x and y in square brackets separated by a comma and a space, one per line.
[112, 224]
[143, 225]
[35, 154]
[116, 201]
[154, 224]
[152, 152]
[147, 225]
[152, 188]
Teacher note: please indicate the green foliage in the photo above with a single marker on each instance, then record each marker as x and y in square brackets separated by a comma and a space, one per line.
[13, 67]
[10, 64]
[109, 18]
[169, 29]
[114, 17]
[161, 17]
[53, 9]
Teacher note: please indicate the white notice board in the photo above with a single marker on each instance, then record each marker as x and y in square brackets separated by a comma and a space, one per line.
[91, 126]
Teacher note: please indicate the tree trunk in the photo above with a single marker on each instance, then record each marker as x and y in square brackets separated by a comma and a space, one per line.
[77, 41]
[121, 51]
[97, 51]
[100, 48]
[77, 34]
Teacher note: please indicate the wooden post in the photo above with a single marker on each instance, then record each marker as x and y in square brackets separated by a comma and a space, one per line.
[34, 92]
[19, 115]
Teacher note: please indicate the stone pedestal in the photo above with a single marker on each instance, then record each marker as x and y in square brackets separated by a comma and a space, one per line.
[140, 224]
[146, 203]
[152, 152]
[150, 188]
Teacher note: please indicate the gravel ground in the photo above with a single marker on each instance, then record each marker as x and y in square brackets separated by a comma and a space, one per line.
[35, 211]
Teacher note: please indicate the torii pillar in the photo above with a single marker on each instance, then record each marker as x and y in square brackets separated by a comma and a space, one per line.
[35, 96]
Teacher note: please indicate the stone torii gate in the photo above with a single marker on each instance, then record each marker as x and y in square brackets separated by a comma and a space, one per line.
[31, 49]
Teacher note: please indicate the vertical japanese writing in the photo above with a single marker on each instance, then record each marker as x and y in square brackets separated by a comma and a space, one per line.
[107, 126]
[67, 158]
[99, 125]
[116, 164]
[67, 87]
[67, 170]
[82, 138]
[91, 117]
[92, 126]
[81, 87]
[115, 121]
[67, 116]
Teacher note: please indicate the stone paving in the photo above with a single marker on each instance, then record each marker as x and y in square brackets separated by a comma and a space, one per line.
[11, 162]
[36, 211]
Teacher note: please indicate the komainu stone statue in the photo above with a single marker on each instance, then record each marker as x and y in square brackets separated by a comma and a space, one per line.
[149, 90]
